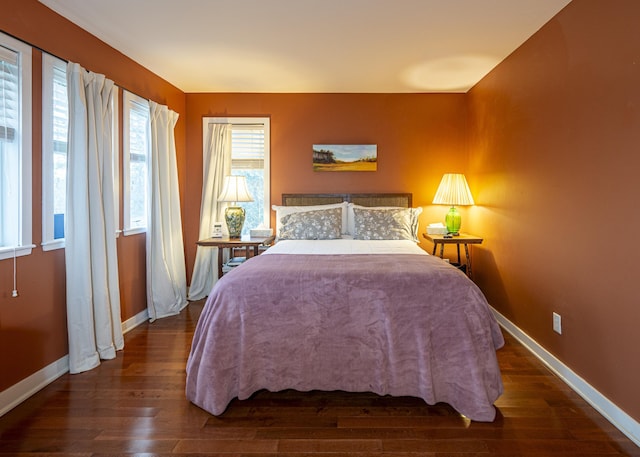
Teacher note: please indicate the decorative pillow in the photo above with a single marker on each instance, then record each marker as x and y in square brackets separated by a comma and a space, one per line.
[312, 225]
[385, 223]
[282, 211]
[351, 226]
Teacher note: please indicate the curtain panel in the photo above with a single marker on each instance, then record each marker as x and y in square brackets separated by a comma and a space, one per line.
[93, 290]
[166, 275]
[216, 165]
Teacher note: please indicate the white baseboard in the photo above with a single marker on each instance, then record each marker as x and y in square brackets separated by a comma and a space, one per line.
[16, 394]
[621, 420]
[136, 320]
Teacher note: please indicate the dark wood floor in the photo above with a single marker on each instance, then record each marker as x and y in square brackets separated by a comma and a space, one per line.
[135, 405]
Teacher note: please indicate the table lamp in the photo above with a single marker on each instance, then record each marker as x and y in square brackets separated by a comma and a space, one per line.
[453, 190]
[234, 190]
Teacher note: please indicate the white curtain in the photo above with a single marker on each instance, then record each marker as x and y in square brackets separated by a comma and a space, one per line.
[166, 276]
[216, 165]
[93, 291]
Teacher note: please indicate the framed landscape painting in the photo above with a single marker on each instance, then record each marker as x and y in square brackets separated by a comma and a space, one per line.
[345, 157]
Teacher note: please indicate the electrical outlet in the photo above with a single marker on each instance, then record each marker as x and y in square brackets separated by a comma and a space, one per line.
[557, 323]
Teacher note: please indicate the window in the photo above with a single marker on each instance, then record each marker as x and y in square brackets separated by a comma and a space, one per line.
[250, 158]
[55, 120]
[15, 148]
[137, 146]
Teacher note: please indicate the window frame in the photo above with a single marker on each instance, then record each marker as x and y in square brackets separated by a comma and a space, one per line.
[266, 123]
[49, 63]
[25, 107]
[129, 101]
[115, 142]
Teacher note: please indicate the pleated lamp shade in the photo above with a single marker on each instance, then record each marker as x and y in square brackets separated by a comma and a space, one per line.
[454, 191]
[234, 189]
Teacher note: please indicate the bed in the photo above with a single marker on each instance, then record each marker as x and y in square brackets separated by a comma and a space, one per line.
[346, 300]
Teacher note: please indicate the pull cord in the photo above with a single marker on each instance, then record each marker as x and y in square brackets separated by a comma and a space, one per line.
[14, 293]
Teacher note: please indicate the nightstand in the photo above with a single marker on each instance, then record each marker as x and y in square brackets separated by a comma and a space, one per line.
[251, 246]
[463, 239]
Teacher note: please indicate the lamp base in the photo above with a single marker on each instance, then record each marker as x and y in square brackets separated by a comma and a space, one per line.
[234, 217]
[453, 221]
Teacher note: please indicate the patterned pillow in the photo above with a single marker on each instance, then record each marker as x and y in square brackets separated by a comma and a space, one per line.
[386, 223]
[312, 225]
[282, 211]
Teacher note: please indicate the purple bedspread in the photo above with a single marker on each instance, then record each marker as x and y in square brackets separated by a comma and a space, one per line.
[388, 324]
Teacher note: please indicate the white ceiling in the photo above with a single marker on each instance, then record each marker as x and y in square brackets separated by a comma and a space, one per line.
[384, 46]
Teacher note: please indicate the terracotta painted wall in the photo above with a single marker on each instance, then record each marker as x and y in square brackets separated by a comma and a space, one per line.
[33, 326]
[419, 137]
[548, 141]
[555, 135]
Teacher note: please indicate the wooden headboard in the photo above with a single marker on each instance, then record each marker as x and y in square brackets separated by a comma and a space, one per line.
[403, 200]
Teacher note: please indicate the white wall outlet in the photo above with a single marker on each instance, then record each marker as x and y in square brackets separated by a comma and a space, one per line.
[557, 323]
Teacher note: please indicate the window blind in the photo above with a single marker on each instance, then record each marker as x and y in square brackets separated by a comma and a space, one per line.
[60, 110]
[138, 131]
[60, 126]
[9, 94]
[247, 146]
[136, 159]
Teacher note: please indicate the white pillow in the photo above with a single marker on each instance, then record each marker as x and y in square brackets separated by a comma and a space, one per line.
[413, 212]
[282, 211]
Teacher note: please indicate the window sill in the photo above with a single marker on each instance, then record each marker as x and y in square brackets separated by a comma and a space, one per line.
[134, 231]
[19, 251]
[52, 245]
[60, 243]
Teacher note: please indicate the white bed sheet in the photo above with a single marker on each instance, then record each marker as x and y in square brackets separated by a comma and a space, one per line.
[345, 246]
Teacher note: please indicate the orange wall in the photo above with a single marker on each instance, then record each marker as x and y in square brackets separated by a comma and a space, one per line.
[554, 148]
[33, 325]
[419, 137]
[548, 141]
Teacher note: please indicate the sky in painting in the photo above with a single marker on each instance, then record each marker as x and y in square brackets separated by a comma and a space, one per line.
[348, 152]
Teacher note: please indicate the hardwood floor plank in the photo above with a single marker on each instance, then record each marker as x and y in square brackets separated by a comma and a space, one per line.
[436, 446]
[552, 447]
[135, 405]
[220, 446]
[330, 445]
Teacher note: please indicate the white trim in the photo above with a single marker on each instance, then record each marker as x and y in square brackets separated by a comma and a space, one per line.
[115, 145]
[25, 79]
[26, 138]
[134, 231]
[131, 102]
[7, 252]
[52, 245]
[49, 65]
[133, 322]
[609, 410]
[17, 393]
